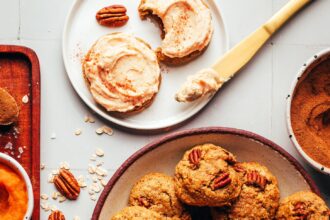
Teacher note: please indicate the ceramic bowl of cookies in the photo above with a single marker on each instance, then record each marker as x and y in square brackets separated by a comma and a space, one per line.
[16, 193]
[308, 111]
[201, 168]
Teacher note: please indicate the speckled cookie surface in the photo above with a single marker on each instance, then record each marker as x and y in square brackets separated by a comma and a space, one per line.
[137, 213]
[205, 177]
[259, 197]
[303, 205]
[156, 192]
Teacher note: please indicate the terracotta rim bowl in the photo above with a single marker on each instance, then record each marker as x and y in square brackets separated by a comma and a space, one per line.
[308, 66]
[13, 164]
[240, 141]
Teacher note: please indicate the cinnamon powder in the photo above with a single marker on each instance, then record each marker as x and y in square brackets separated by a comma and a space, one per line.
[310, 112]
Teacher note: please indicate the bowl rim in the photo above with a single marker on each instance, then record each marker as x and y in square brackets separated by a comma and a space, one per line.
[191, 132]
[317, 57]
[11, 162]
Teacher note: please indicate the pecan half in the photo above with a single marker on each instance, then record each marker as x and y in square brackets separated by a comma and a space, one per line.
[67, 184]
[300, 210]
[195, 156]
[142, 201]
[221, 181]
[112, 16]
[239, 168]
[255, 179]
[56, 215]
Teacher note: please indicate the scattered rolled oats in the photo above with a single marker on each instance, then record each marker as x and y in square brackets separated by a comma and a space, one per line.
[90, 191]
[45, 206]
[107, 130]
[99, 152]
[55, 195]
[76, 218]
[101, 171]
[44, 196]
[61, 198]
[77, 132]
[89, 119]
[65, 165]
[91, 169]
[51, 178]
[93, 157]
[99, 131]
[104, 130]
[95, 187]
[25, 99]
[42, 166]
[103, 182]
[53, 208]
[53, 136]
[93, 197]
[81, 182]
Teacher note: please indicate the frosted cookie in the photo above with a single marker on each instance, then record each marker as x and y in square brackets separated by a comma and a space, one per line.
[187, 26]
[122, 72]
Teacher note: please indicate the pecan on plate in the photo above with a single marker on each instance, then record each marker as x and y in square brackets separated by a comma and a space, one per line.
[56, 215]
[221, 181]
[112, 16]
[67, 184]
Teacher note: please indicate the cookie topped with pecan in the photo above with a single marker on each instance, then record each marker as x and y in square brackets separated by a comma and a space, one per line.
[303, 205]
[155, 191]
[259, 197]
[205, 176]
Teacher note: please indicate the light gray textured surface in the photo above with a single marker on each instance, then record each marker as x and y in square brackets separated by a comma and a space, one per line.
[254, 100]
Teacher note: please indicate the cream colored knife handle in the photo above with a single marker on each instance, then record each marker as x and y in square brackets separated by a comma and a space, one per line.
[292, 7]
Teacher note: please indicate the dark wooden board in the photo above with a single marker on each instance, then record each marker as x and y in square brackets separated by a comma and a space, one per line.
[20, 75]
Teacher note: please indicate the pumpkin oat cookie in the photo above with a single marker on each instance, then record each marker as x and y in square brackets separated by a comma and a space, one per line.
[155, 191]
[206, 177]
[303, 205]
[137, 213]
[259, 197]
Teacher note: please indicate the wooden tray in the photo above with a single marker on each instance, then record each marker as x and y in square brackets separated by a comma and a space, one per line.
[20, 75]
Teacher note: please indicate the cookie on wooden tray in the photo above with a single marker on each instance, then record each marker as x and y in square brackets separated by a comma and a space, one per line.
[8, 108]
[187, 28]
[259, 197]
[137, 213]
[155, 191]
[205, 176]
[303, 205]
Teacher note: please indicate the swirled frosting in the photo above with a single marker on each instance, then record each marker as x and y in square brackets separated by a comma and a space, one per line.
[123, 72]
[206, 81]
[187, 25]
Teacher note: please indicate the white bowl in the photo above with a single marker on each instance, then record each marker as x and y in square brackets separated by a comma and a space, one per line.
[13, 164]
[311, 63]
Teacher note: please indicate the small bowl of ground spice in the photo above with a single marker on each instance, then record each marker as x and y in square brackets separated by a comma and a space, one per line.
[308, 112]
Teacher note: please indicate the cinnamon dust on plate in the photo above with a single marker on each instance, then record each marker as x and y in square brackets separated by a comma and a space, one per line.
[310, 112]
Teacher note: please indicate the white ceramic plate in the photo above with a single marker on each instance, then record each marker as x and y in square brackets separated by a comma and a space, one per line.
[81, 31]
[163, 155]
